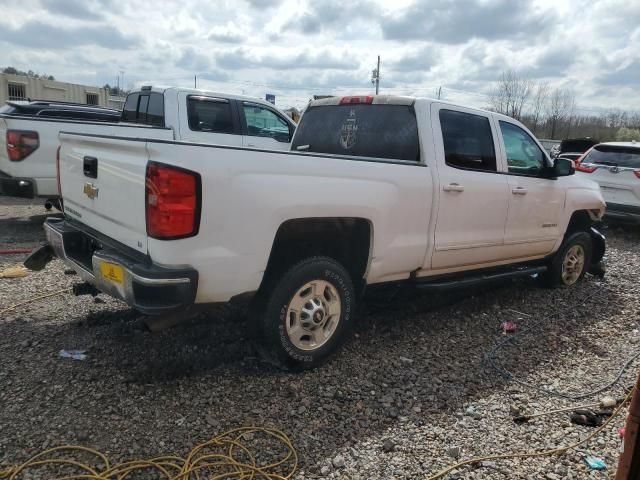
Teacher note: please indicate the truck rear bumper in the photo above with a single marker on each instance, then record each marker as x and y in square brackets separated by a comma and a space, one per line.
[149, 288]
[17, 187]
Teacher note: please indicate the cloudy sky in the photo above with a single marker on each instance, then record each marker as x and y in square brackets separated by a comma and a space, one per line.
[295, 48]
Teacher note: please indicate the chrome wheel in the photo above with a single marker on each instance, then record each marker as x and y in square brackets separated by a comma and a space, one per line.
[313, 314]
[573, 264]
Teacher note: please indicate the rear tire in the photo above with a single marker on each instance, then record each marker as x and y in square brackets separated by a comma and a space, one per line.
[570, 263]
[304, 315]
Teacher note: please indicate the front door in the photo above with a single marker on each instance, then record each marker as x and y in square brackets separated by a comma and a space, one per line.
[535, 202]
[473, 196]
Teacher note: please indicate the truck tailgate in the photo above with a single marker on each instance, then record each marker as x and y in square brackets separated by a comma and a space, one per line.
[103, 185]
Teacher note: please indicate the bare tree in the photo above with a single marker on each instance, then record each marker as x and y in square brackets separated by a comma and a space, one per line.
[511, 94]
[537, 108]
[559, 107]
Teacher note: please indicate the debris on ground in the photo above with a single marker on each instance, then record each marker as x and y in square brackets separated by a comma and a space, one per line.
[14, 272]
[73, 354]
[595, 463]
[508, 327]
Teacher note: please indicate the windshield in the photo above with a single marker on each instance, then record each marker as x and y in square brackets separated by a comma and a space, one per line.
[616, 156]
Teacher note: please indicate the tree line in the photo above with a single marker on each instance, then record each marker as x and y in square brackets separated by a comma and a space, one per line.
[553, 113]
[29, 73]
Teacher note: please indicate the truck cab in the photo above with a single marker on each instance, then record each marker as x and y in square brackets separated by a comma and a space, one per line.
[202, 116]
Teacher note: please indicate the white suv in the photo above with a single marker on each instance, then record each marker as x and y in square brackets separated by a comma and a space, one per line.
[615, 166]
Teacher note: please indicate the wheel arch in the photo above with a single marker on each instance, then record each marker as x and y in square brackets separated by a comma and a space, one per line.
[349, 240]
[584, 221]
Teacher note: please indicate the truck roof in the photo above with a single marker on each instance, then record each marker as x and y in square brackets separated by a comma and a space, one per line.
[388, 100]
[199, 91]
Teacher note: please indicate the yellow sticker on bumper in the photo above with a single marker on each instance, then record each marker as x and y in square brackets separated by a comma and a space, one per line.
[112, 272]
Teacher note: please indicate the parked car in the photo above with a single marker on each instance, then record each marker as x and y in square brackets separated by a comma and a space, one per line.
[375, 189]
[27, 164]
[615, 166]
[29, 139]
[573, 147]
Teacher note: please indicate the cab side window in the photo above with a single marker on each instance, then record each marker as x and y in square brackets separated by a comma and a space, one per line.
[207, 114]
[262, 122]
[468, 141]
[524, 157]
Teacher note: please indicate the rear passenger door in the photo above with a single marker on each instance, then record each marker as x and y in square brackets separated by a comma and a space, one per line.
[208, 119]
[473, 195]
[264, 128]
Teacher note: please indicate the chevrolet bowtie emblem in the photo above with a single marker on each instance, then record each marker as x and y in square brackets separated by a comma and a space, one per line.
[90, 190]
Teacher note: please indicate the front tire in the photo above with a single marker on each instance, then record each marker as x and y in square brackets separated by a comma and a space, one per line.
[306, 313]
[571, 262]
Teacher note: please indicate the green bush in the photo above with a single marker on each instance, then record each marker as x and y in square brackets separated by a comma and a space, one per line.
[625, 134]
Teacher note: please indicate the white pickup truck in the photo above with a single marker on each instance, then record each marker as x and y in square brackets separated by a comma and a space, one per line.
[29, 139]
[375, 189]
[29, 130]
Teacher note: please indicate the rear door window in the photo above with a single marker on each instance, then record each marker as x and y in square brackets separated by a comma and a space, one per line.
[614, 156]
[468, 141]
[376, 131]
[207, 114]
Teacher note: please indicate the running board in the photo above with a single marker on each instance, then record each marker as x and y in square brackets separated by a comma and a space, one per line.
[463, 282]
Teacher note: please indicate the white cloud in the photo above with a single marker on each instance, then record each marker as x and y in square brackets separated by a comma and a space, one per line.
[297, 48]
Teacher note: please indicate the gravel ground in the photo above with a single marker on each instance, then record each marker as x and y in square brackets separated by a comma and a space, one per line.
[409, 392]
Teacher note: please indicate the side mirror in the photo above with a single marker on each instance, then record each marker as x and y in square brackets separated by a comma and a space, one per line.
[563, 167]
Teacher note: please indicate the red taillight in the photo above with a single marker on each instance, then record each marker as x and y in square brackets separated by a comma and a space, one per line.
[356, 100]
[173, 202]
[587, 167]
[637, 173]
[21, 144]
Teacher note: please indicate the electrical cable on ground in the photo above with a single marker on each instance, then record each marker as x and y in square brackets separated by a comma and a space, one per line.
[533, 454]
[225, 456]
[31, 300]
[600, 404]
[491, 360]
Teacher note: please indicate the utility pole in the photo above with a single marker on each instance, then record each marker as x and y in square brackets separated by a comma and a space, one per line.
[122, 75]
[375, 76]
[439, 92]
[195, 81]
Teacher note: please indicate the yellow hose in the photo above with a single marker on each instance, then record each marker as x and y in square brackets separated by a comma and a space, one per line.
[226, 456]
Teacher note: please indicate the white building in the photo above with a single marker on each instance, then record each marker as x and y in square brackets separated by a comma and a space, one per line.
[19, 87]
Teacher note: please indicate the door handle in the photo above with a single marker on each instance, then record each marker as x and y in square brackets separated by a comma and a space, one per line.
[453, 187]
[90, 167]
[519, 191]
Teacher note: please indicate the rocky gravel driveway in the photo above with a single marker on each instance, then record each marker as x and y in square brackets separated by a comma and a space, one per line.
[410, 392]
